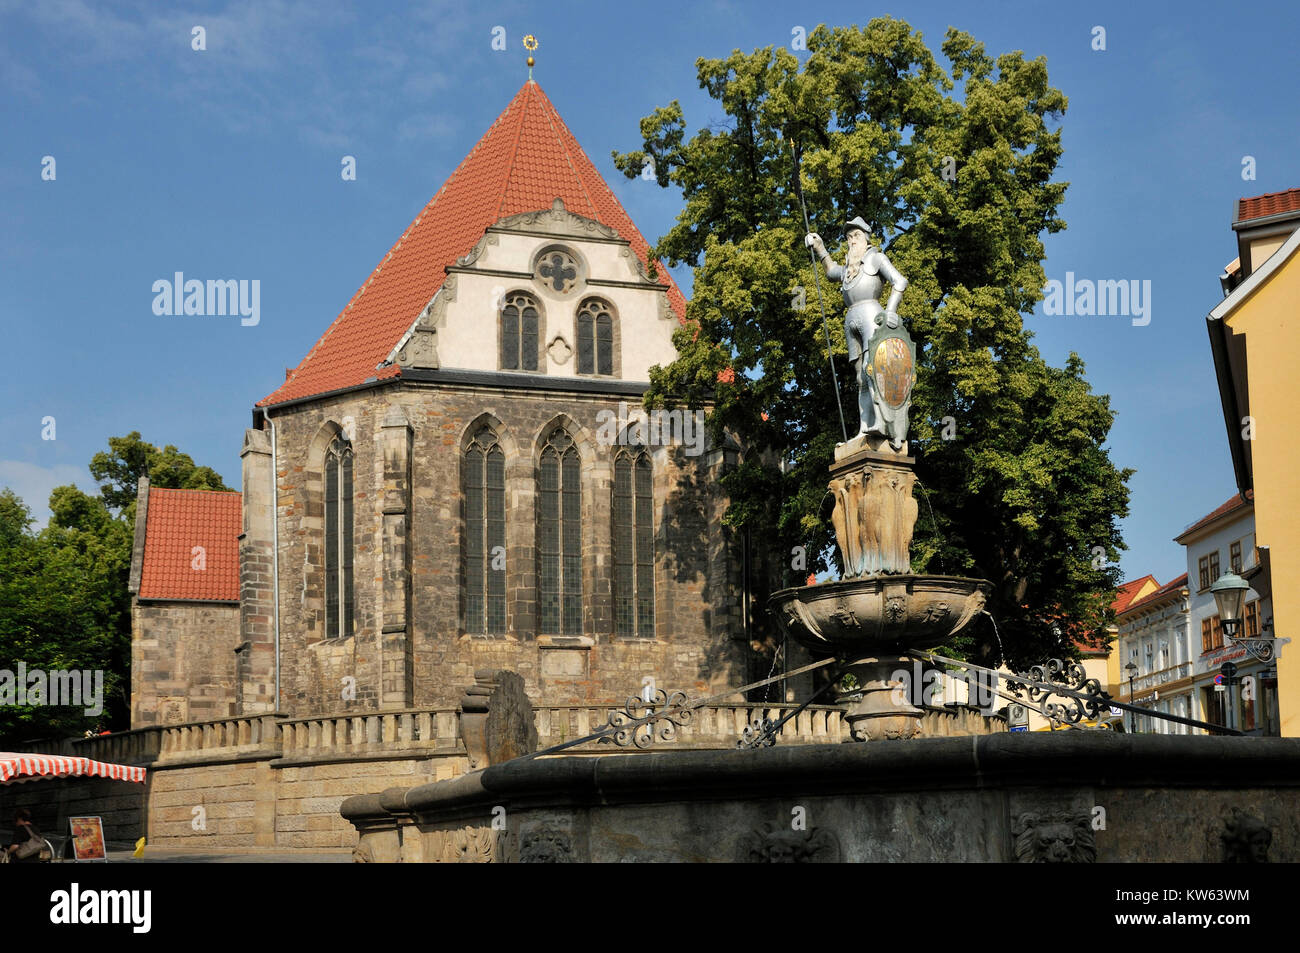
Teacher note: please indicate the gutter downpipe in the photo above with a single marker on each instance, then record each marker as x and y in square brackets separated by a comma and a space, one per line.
[275, 549]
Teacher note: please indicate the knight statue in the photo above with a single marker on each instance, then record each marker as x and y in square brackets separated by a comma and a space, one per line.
[882, 351]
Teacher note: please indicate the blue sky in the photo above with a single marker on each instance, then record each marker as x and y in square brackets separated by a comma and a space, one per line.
[226, 163]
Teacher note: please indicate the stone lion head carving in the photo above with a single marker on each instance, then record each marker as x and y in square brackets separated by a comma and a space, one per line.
[1246, 839]
[1061, 838]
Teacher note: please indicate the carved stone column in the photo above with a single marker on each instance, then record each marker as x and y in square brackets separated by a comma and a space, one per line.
[397, 668]
[875, 511]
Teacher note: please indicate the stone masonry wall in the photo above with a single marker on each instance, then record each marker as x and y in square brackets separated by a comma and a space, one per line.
[409, 647]
[183, 665]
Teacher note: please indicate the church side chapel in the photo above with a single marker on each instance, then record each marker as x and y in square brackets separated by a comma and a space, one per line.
[437, 488]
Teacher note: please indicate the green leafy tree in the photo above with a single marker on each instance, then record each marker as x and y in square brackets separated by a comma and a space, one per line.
[131, 457]
[64, 602]
[1015, 481]
[60, 609]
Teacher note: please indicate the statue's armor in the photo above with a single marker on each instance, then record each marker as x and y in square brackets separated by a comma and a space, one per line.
[862, 297]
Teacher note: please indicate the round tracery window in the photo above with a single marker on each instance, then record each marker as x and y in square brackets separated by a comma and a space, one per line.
[558, 271]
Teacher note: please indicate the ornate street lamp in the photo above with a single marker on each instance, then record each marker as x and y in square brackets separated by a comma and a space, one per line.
[1229, 596]
[1131, 668]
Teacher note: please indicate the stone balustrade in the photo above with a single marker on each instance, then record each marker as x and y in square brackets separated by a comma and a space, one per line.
[712, 726]
[416, 731]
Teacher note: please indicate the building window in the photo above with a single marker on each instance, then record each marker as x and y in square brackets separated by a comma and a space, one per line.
[1150, 667]
[634, 568]
[519, 331]
[1214, 567]
[485, 535]
[595, 338]
[1216, 631]
[1207, 635]
[1203, 564]
[1164, 654]
[339, 616]
[558, 270]
[559, 538]
[1252, 619]
[1234, 556]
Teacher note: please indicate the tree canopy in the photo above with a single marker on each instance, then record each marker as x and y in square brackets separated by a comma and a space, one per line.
[64, 604]
[953, 170]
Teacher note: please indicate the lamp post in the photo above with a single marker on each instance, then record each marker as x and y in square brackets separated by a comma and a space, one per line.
[1131, 668]
[1229, 595]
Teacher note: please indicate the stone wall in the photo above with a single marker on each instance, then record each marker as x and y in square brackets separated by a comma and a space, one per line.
[271, 782]
[409, 647]
[183, 664]
[1082, 797]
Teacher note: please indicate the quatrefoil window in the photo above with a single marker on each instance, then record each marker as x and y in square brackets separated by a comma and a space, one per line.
[558, 271]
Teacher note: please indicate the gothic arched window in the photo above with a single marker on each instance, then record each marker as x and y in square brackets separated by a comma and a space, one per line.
[485, 535]
[338, 539]
[559, 538]
[634, 558]
[595, 338]
[519, 322]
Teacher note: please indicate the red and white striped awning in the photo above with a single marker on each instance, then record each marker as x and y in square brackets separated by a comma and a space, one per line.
[16, 768]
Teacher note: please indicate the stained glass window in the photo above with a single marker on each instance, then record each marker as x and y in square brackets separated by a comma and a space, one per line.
[339, 606]
[485, 535]
[519, 323]
[595, 338]
[634, 613]
[559, 538]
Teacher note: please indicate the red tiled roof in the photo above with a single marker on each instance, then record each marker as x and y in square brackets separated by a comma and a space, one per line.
[1125, 593]
[1226, 508]
[526, 160]
[178, 521]
[1163, 591]
[1274, 203]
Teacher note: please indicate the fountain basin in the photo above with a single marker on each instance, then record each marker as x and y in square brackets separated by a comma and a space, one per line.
[879, 614]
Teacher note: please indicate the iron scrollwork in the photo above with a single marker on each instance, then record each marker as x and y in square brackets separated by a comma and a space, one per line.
[643, 721]
[759, 733]
[1039, 688]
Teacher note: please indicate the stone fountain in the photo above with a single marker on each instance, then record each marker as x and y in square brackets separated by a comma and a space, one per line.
[880, 609]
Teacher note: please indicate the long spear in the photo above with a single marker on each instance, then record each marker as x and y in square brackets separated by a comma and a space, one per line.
[795, 153]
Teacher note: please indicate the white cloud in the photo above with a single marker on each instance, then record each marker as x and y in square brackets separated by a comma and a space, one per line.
[34, 483]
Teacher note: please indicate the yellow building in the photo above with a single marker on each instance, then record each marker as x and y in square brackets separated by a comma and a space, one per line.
[1255, 339]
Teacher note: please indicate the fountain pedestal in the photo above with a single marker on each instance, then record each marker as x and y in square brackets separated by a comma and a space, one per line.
[875, 511]
[881, 608]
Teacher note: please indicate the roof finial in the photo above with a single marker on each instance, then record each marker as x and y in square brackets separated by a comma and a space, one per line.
[530, 44]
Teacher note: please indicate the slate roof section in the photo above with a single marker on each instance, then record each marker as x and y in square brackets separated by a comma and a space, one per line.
[524, 161]
[179, 520]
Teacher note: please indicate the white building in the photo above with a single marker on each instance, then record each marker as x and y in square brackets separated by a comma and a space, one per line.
[1153, 637]
[1219, 542]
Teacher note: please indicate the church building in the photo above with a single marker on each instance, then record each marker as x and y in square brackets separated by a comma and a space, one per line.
[448, 481]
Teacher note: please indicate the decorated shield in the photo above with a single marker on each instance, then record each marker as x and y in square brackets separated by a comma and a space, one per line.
[893, 366]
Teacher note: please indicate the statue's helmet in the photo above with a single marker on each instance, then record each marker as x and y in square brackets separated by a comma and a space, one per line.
[858, 225]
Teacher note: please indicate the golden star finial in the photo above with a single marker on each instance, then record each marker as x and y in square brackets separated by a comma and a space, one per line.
[530, 44]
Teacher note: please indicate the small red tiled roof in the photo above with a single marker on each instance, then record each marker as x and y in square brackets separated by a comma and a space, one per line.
[526, 160]
[1162, 592]
[1223, 510]
[1124, 594]
[177, 522]
[1274, 203]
